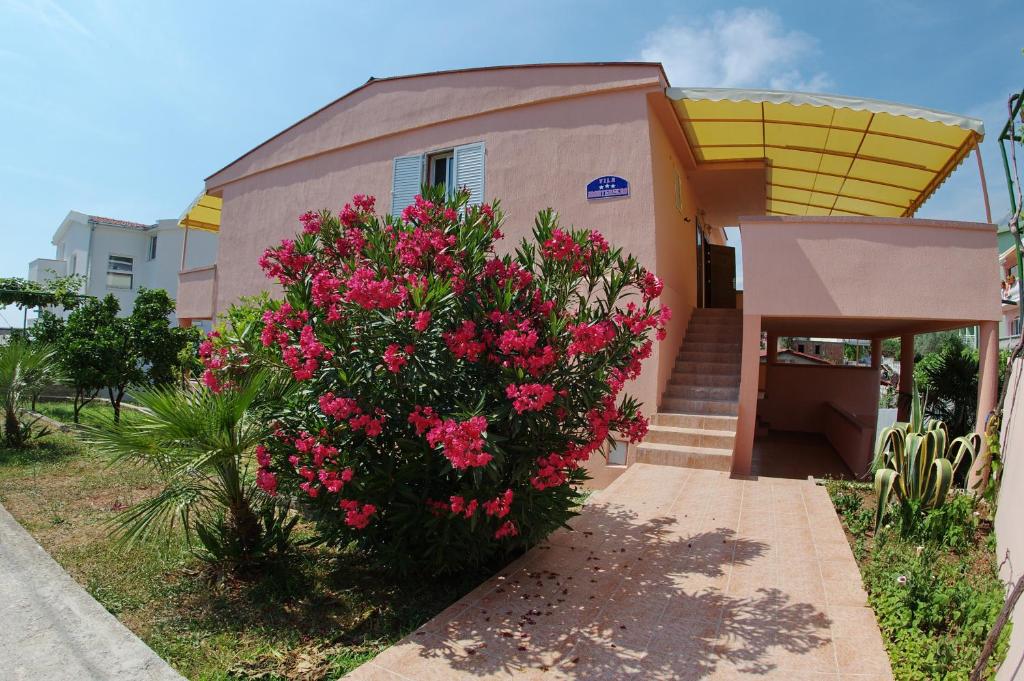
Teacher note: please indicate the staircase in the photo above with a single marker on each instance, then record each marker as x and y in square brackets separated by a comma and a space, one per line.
[696, 425]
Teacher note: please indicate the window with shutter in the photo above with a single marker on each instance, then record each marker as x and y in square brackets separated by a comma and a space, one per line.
[469, 170]
[406, 181]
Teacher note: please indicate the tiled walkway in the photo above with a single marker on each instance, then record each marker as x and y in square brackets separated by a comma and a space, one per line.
[672, 573]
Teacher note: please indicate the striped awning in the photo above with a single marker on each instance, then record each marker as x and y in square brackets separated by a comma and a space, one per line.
[203, 213]
[828, 155]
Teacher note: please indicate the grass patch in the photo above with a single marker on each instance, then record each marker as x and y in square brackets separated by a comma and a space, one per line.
[934, 587]
[317, 614]
[94, 412]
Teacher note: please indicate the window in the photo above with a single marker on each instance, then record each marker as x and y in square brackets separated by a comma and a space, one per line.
[440, 170]
[800, 347]
[119, 271]
[462, 166]
[152, 247]
[1015, 326]
[817, 349]
[73, 267]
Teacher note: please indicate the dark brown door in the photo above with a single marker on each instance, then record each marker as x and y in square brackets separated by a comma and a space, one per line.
[719, 276]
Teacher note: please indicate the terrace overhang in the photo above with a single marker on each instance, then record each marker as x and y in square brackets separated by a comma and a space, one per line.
[828, 155]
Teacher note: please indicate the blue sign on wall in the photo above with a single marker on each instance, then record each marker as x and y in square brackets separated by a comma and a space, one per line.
[607, 187]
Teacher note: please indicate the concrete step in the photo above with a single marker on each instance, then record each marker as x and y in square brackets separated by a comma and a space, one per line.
[717, 368]
[717, 312]
[720, 423]
[703, 392]
[730, 348]
[678, 405]
[691, 437]
[686, 457]
[705, 379]
[720, 357]
[701, 335]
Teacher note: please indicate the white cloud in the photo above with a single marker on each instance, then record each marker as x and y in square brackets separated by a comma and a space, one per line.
[739, 48]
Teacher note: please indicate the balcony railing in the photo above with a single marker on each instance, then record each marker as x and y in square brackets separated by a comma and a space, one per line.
[869, 268]
[197, 293]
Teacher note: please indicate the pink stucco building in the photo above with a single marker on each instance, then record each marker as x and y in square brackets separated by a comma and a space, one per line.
[823, 189]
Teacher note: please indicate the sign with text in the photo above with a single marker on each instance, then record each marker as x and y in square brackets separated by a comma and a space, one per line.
[607, 187]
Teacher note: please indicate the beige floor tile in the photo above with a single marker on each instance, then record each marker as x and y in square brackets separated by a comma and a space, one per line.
[670, 574]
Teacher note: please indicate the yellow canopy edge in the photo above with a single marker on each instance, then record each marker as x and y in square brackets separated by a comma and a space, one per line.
[203, 213]
[826, 154]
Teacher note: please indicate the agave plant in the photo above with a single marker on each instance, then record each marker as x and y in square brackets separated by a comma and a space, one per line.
[200, 444]
[917, 463]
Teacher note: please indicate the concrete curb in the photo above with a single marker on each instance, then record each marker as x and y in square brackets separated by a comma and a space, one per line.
[50, 628]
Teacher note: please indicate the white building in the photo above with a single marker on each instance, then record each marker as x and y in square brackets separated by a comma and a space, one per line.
[119, 257]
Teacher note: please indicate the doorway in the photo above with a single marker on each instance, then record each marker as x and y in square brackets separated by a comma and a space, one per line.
[716, 272]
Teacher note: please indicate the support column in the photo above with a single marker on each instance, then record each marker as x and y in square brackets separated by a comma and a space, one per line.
[904, 396]
[988, 391]
[876, 353]
[773, 348]
[746, 423]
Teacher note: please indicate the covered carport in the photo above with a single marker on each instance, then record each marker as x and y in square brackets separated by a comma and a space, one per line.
[867, 278]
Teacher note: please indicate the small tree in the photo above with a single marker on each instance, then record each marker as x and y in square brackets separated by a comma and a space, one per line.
[104, 350]
[90, 347]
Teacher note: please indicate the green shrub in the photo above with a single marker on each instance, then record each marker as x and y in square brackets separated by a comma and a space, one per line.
[445, 396]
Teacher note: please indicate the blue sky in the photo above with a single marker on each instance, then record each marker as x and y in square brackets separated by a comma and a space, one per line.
[121, 109]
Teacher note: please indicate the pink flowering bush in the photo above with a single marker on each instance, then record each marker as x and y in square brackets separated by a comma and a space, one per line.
[446, 396]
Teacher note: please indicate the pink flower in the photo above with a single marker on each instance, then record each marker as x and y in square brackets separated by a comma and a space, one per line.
[310, 222]
[499, 506]
[267, 482]
[461, 442]
[341, 408]
[530, 396]
[561, 246]
[423, 419]
[355, 515]
[508, 529]
[651, 286]
[462, 342]
[394, 359]
[590, 338]
[422, 320]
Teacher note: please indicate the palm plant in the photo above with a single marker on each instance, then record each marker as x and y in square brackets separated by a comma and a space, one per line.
[949, 377]
[917, 463]
[25, 368]
[201, 445]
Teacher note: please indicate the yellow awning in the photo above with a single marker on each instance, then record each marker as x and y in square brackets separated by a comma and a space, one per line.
[204, 213]
[828, 155]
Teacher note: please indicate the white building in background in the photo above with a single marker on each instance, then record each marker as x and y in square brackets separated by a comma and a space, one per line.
[119, 257]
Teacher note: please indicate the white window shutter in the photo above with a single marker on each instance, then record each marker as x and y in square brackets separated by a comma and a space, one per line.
[406, 182]
[469, 171]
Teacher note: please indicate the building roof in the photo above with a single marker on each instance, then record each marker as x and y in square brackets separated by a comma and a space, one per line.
[114, 222]
[829, 154]
[373, 81]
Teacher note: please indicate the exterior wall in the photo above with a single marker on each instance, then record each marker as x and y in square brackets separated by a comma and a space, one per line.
[107, 241]
[1009, 529]
[870, 268]
[676, 242]
[162, 272]
[536, 156]
[797, 397]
